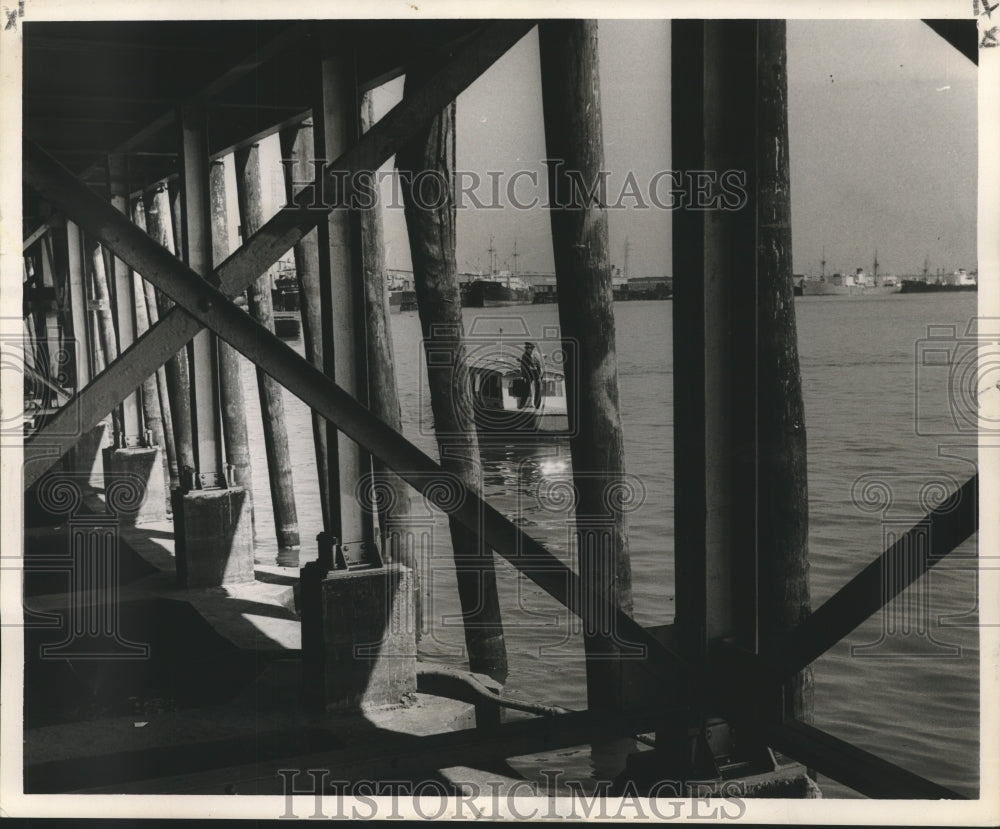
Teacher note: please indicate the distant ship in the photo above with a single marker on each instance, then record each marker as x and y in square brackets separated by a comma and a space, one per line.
[285, 304]
[857, 284]
[497, 292]
[402, 296]
[402, 300]
[960, 280]
[499, 288]
[285, 293]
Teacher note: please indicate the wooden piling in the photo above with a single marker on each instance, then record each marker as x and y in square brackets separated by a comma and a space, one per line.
[123, 304]
[279, 462]
[383, 395]
[782, 499]
[431, 234]
[145, 295]
[297, 146]
[76, 278]
[51, 327]
[151, 417]
[176, 216]
[105, 328]
[160, 227]
[55, 242]
[234, 419]
[572, 113]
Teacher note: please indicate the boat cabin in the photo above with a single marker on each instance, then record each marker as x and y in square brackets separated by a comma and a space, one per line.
[502, 400]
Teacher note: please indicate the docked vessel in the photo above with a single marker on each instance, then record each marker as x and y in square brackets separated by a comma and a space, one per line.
[504, 405]
[285, 306]
[857, 284]
[497, 292]
[498, 289]
[285, 293]
[960, 280]
[402, 300]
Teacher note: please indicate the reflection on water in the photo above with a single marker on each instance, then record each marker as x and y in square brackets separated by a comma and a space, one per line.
[514, 476]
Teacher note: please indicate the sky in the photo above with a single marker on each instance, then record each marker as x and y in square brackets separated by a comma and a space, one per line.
[882, 143]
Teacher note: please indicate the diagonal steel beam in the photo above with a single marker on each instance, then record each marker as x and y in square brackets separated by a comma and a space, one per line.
[860, 770]
[255, 256]
[41, 230]
[962, 34]
[878, 583]
[212, 308]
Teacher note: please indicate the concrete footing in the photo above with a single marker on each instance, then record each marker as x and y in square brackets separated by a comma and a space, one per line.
[359, 643]
[140, 470]
[87, 457]
[648, 774]
[82, 466]
[213, 537]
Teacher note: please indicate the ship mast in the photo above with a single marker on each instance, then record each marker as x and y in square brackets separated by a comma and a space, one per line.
[822, 264]
[514, 257]
[626, 258]
[492, 252]
[926, 263]
[875, 268]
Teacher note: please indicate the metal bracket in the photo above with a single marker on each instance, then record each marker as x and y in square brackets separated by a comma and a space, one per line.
[733, 756]
[210, 480]
[356, 555]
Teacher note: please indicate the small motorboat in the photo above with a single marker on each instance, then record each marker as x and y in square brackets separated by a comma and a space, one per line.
[503, 401]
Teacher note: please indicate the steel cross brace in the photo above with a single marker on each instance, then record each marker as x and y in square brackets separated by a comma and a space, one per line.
[258, 253]
[211, 308]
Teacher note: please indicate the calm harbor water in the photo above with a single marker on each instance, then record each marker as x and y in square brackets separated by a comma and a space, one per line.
[882, 444]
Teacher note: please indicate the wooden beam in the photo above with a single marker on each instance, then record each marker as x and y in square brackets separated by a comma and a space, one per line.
[878, 583]
[260, 55]
[236, 133]
[268, 245]
[211, 308]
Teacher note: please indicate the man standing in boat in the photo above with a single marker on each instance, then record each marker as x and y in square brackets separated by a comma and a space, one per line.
[531, 373]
